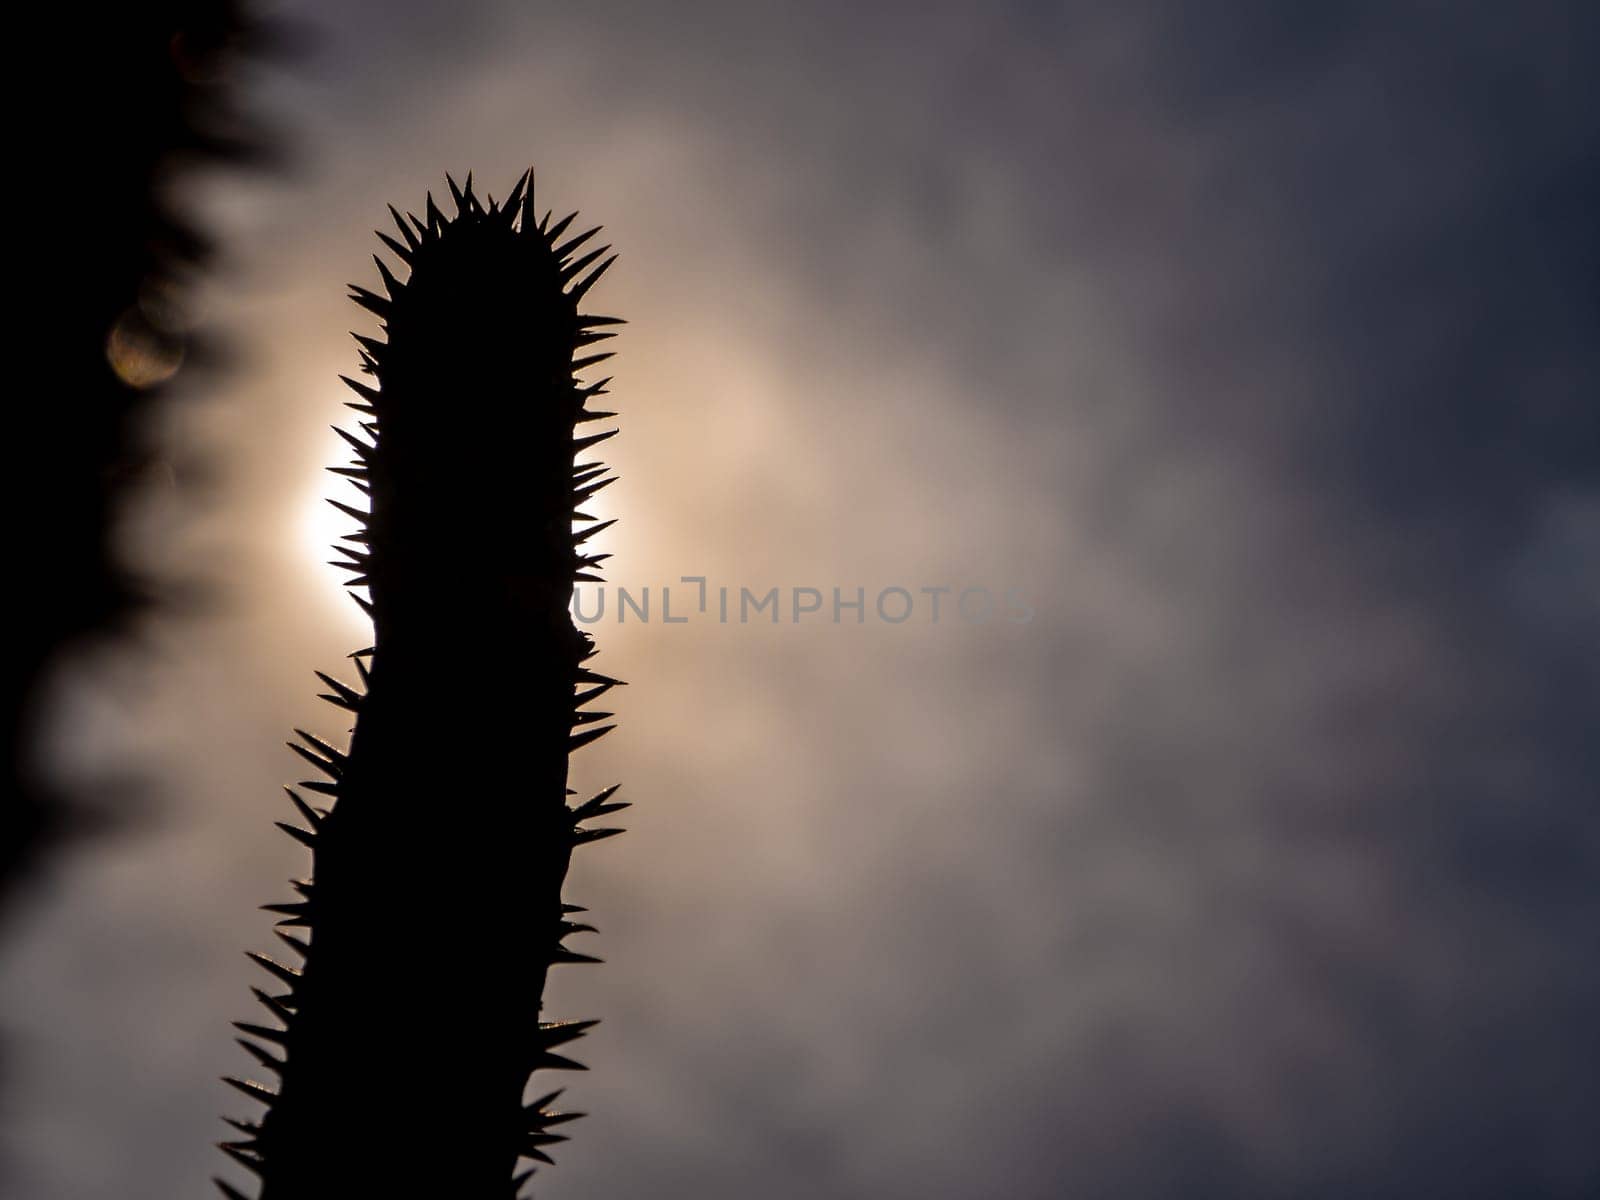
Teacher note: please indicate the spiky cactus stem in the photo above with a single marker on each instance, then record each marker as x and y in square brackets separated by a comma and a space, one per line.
[405, 1041]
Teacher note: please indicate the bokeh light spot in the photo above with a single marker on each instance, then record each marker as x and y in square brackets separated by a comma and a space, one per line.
[141, 356]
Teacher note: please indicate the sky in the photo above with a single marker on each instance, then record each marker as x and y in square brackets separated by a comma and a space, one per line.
[1251, 347]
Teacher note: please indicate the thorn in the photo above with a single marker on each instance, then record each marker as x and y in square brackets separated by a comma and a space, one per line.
[405, 231]
[582, 494]
[349, 510]
[573, 269]
[567, 248]
[271, 1061]
[322, 747]
[256, 1091]
[579, 538]
[274, 1005]
[591, 807]
[560, 1118]
[399, 251]
[369, 394]
[584, 813]
[271, 965]
[588, 282]
[331, 769]
[551, 235]
[578, 740]
[312, 816]
[304, 836]
[579, 445]
[299, 945]
[370, 301]
[239, 1152]
[562, 955]
[582, 698]
[514, 200]
[559, 1033]
[361, 448]
[281, 1036]
[348, 697]
[528, 210]
[538, 1104]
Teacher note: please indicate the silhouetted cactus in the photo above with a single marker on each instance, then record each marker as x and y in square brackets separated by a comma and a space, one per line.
[405, 1041]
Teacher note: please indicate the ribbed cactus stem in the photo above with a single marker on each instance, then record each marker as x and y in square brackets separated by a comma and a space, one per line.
[441, 837]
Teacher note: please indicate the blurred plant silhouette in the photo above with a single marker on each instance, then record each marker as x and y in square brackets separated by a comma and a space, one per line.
[155, 93]
[150, 93]
[404, 1042]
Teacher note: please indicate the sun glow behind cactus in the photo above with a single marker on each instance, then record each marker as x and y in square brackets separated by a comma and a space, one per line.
[317, 527]
[314, 528]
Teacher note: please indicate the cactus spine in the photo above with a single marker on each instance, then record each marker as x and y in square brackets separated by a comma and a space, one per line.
[404, 1042]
